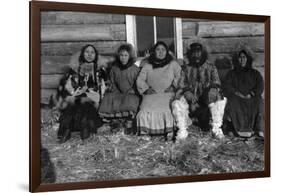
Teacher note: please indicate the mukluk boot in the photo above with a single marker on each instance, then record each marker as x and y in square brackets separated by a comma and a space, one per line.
[180, 110]
[217, 112]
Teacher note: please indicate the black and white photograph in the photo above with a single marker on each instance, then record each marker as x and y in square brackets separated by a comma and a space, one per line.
[122, 96]
[127, 96]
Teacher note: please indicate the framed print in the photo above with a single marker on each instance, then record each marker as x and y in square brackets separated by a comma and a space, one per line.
[124, 96]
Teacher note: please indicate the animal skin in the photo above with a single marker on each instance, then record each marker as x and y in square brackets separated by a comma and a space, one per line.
[217, 111]
[181, 114]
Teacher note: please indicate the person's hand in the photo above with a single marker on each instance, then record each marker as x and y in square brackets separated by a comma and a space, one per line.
[68, 86]
[77, 92]
[146, 53]
[248, 96]
[80, 91]
[190, 97]
[149, 91]
[239, 94]
[194, 106]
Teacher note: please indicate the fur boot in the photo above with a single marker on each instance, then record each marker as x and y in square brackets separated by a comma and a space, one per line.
[217, 112]
[180, 110]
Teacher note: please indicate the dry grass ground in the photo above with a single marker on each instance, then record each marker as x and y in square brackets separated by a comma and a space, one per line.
[110, 156]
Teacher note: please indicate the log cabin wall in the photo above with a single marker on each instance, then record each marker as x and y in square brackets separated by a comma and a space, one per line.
[63, 34]
[223, 37]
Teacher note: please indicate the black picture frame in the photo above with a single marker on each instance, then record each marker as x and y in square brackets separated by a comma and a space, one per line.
[36, 7]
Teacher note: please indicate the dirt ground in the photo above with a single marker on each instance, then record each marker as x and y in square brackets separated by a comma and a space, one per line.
[111, 156]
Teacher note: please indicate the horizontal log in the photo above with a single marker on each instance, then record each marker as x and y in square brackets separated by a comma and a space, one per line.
[46, 95]
[209, 28]
[50, 81]
[66, 17]
[60, 64]
[69, 48]
[189, 29]
[83, 32]
[54, 64]
[223, 29]
[227, 45]
[259, 60]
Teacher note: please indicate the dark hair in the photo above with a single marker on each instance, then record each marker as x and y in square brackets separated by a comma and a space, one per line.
[82, 58]
[193, 47]
[129, 49]
[236, 63]
[196, 46]
[156, 62]
[249, 58]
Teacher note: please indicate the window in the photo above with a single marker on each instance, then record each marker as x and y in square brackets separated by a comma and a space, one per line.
[144, 31]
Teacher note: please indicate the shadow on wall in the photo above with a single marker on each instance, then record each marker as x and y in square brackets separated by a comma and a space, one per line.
[48, 174]
[223, 65]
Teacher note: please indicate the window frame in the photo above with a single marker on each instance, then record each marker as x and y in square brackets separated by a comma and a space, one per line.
[131, 33]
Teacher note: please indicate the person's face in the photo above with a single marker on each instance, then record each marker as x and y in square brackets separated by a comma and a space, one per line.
[160, 52]
[242, 59]
[89, 54]
[124, 57]
[196, 55]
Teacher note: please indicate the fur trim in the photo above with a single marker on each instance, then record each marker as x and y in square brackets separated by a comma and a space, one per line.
[243, 46]
[103, 62]
[217, 112]
[235, 57]
[180, 110]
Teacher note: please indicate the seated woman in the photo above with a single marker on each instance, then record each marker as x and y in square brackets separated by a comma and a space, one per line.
[122, 100]
[243, 87]
[79, 95]
[156, 82]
